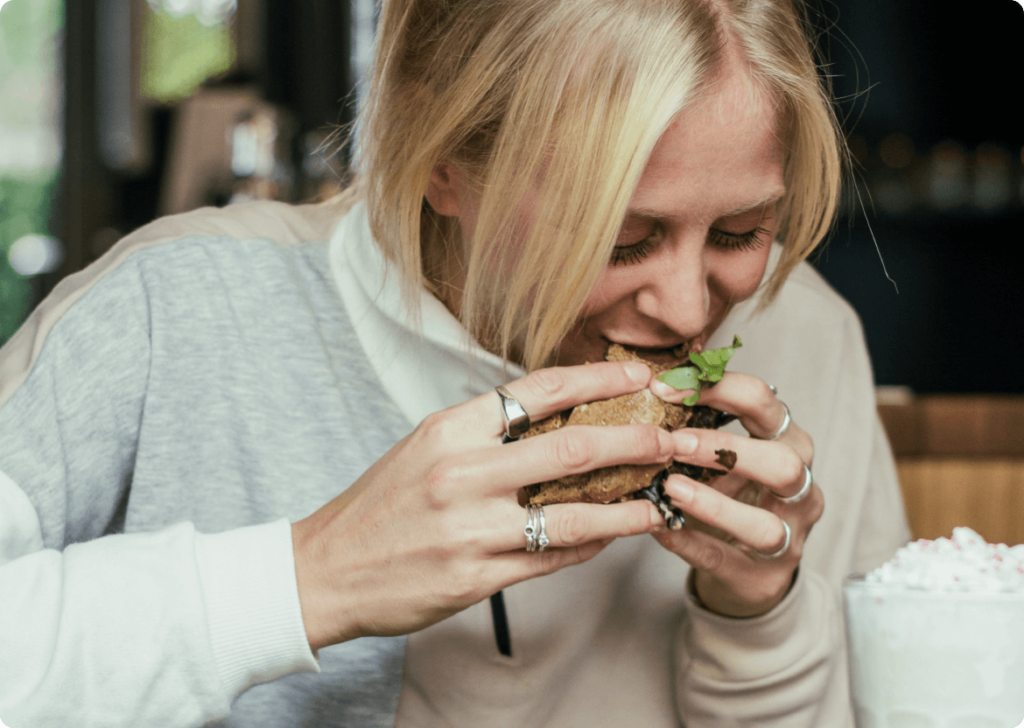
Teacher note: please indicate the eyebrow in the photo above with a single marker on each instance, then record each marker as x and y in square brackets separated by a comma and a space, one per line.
[660, 214]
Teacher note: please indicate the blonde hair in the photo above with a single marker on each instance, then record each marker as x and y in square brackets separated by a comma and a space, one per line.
[568, 98]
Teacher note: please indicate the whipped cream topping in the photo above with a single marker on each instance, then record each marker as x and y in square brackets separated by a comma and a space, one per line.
[963, 563]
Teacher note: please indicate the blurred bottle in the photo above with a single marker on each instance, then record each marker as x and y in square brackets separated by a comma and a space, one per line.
[260, 169]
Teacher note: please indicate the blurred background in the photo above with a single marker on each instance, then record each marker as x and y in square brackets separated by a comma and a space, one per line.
[115, 112]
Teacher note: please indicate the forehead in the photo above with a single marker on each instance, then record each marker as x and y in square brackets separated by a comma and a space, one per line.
[720, 154]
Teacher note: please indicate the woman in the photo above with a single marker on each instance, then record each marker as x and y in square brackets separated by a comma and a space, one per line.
[236, 391]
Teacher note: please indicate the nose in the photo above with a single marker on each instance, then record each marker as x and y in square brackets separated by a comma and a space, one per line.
[675, 294]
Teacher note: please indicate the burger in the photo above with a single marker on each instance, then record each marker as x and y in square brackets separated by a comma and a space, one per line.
[678, 367]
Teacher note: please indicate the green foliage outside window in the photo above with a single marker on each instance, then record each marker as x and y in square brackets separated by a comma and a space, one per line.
[30, 138]
[181, 53]
[24, 210]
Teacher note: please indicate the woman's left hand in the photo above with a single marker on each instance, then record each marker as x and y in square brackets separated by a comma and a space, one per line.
[737, 580]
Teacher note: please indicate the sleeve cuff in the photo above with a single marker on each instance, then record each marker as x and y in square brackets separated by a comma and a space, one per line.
[743, 650]
[252, 605]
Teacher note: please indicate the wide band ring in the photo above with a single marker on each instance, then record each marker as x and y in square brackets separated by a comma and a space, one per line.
[804, 489]
[514, 417]
[786, 421]
[536, 529]
[783, 549]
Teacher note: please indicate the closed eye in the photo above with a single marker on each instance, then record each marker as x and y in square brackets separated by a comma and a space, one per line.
[635, 252]
[750, 240]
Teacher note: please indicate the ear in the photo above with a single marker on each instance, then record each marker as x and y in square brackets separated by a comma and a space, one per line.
[446, 191]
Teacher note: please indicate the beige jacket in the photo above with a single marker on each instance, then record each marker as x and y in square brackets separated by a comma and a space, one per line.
[619, 642]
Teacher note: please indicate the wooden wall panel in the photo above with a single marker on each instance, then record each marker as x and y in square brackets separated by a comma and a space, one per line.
[986, 495]
[960, 461]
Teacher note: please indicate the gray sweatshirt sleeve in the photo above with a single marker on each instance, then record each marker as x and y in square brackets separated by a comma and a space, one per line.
[99, 627]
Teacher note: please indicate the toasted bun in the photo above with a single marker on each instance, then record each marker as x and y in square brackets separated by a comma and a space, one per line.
[606, 485]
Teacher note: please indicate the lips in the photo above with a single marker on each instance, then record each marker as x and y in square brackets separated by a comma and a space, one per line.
[664, 353]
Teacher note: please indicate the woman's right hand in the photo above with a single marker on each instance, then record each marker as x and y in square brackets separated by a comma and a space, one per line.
[434, 526]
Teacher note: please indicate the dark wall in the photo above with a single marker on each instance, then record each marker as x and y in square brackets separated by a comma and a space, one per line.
[949, 222]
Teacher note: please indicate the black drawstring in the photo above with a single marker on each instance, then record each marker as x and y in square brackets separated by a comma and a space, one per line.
[500, 618]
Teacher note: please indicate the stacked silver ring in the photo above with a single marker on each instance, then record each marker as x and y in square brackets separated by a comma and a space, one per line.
[536, 529]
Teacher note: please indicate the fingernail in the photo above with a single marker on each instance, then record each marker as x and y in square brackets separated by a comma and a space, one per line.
[638, 372]
[680, 491]
[686, 442]
[660, 389]
[656, 517]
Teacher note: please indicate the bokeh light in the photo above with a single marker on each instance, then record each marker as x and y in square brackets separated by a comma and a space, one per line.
[32, 255]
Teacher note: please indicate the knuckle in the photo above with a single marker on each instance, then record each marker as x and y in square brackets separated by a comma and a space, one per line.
[647, 440]
[796, 549]
[438, 427]
[439, 483]
[808, 449]
[549, 383]
[467, 583]
[573, 527]
[572, 451]
[792, 471]
[816, 505]
[769, 535]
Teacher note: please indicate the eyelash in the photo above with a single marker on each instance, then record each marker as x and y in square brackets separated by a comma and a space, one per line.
[739, 241]
[630, 254]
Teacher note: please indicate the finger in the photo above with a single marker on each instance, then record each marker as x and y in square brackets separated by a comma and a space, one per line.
[553, 455]
[736, 584]
[574, 524]
[775, 465]
[761, 413]
[547, 391]
[707, 553]
[541, 393]
[755, 527]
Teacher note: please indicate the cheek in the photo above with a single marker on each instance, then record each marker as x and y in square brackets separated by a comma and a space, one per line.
[611, 288]
[735, 277]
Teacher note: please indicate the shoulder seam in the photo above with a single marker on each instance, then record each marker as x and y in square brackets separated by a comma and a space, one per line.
[271, 221]
[20, 353]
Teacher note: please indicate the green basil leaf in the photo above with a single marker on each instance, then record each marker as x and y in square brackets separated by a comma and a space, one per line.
[712, 362]
[682, 378]
[710, 366]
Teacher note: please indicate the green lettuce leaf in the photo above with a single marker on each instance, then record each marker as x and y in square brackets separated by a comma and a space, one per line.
[682, 378]
[709, 368]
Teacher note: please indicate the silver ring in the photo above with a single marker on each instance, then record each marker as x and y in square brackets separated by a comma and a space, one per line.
[783, 427]
[783, 549]
[516, 421]
[773, 388]
[536, 528]
[804, 489]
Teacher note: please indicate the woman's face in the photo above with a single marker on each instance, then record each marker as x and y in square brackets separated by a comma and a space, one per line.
[697, 233]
